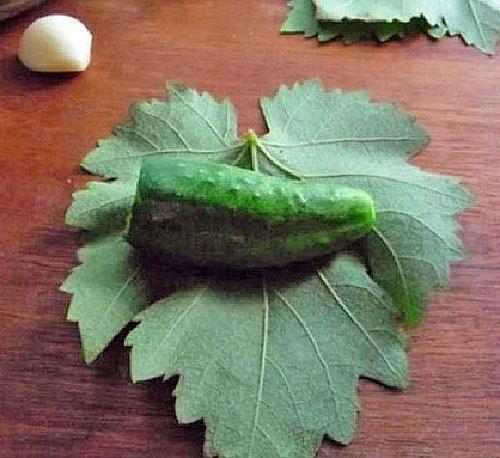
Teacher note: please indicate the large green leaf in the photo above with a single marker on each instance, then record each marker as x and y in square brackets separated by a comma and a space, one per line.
[271, 365]
[302, 19]
[477, 21]
[109, 289]
[345, 138]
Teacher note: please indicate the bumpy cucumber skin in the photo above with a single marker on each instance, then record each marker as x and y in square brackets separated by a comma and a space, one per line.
[210, 214]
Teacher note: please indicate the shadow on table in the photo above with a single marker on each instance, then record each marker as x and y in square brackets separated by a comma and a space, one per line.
[17, 78]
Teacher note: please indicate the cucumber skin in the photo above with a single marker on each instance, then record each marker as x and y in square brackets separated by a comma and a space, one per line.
[210, 214]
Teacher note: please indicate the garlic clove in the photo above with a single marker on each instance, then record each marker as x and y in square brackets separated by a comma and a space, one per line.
[56, 43]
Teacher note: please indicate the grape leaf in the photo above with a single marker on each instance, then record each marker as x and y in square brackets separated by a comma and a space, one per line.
[302, 19]
[188, 124]
[108, 289]
[273, 366]
[477, 21]
[349, 140]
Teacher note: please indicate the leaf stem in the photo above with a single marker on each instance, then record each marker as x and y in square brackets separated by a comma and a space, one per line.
[252, 141]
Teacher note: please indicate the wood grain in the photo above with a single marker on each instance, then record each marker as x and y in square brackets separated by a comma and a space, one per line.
[51, 404]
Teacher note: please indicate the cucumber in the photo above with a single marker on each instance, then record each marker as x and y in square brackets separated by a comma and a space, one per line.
[211, 214]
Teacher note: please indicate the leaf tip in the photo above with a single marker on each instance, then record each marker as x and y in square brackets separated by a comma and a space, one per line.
[89, 356]
[413, 315]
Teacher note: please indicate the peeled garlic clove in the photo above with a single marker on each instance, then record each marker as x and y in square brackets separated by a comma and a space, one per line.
[56, 43]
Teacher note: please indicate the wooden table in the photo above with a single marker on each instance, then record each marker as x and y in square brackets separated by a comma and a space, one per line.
[51, 404]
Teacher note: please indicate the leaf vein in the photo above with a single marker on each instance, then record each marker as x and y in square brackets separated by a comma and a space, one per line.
[331, 141]
[265, 336]
[180, 318]
[118, 294]
[289, 389]
[478, 23]
[199, 114]
[317, 351]
[170, 126]
[394, 256]
[426, 226]
[359, 325]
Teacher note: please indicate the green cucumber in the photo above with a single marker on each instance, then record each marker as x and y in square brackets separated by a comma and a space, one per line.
[211, 214]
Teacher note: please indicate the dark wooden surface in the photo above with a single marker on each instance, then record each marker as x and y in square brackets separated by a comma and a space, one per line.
[51, 404]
